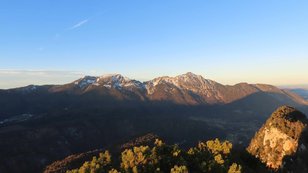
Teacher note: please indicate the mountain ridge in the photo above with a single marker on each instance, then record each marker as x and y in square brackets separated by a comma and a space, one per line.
[187, 89]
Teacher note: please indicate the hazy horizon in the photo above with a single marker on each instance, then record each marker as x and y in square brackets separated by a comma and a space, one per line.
[56, 42]
[30, 77]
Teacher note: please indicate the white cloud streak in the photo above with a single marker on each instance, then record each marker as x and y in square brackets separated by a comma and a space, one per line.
[79, 24]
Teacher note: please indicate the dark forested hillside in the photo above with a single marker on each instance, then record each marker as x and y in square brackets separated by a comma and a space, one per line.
[278, 146]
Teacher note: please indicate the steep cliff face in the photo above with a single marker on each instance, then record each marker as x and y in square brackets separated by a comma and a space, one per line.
[279, 137]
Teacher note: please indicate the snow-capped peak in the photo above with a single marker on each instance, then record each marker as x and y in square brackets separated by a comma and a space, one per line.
[187, 81]
[86, 81]
[109, 81]
[189, 77]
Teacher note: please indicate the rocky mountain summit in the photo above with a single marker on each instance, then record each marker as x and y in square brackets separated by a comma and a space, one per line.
[281, 137]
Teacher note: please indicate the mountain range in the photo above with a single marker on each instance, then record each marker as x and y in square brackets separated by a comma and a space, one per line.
[186, 89]
[41, 124]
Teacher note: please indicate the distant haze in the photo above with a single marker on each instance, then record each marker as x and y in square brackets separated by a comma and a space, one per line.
[303, 86]
[19, 78]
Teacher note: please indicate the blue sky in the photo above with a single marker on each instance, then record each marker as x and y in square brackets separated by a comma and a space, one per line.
[230, 41]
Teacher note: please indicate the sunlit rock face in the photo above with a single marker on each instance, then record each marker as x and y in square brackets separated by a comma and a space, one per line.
[278, 137]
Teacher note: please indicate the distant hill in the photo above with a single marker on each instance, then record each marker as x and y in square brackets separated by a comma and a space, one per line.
[301, 92]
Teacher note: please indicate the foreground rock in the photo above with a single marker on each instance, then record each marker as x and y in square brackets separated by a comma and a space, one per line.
[279, 137]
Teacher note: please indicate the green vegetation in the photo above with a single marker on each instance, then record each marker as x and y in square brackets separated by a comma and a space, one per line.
[210, 156]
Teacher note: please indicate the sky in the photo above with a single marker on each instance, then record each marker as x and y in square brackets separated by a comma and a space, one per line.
[229, 41]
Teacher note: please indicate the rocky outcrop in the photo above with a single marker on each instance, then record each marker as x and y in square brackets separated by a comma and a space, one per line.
[279, 137]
